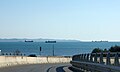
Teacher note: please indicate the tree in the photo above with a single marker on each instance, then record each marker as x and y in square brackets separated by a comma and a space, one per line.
[112, 49]
[97, 50]
[105, 50]
[115, 49]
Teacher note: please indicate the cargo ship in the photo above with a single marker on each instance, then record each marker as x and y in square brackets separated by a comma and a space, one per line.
[28, 40]
[50, 41]
[100, 41]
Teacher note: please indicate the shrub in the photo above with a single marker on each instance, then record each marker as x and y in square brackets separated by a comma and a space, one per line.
[115, 49]
[32, 55]
[97, 50]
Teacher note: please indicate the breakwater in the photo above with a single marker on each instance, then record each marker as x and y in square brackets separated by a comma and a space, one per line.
[18, 60]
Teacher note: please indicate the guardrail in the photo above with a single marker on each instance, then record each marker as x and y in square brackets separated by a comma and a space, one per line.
[102, 62]
[12, 54]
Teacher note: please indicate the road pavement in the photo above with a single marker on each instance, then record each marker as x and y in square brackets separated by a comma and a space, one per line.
[59, 67]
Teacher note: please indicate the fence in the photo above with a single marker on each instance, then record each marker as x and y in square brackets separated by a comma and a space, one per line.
[102, 62]
[12, 54]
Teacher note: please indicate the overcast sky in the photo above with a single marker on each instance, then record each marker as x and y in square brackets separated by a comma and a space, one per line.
[60, 19]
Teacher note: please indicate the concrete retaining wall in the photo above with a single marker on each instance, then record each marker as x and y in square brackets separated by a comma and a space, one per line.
[16, 60]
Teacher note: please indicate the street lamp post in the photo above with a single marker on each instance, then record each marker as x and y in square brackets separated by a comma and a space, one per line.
[53, 49]
[40, 51]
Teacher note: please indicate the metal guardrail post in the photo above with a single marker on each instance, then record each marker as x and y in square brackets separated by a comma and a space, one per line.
[80, 56]
[101, 58]
[108, 62]
[84, 57]
[87, 57]
[95, 58]
[91, 58]
[116, 61]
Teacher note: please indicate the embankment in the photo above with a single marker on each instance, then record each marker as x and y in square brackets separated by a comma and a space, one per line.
[18, 60]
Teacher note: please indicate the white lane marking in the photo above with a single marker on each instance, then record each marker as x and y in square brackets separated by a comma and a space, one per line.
[66, 69]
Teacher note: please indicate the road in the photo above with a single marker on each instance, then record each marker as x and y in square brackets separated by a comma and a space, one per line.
[59, 67]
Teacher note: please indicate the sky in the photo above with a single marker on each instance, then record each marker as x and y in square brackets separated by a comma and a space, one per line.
[83, 20]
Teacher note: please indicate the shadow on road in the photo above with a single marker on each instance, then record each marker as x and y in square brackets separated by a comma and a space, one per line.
[49, 69]
[74, 70]
[60, 69]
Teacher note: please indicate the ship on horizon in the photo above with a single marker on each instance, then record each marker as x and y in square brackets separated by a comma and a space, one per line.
[100, 41]
[28, 40]
[50, 41]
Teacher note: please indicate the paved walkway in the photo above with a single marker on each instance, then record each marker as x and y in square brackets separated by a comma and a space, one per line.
[59, 67]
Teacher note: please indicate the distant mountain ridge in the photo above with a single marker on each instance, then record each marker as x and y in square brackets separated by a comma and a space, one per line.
[36, 40]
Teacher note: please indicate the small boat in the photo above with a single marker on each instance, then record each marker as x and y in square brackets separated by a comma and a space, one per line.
[28, 40]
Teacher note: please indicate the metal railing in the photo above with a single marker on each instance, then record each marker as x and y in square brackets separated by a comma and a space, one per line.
[102, 58]
[98, 60]
[12, 54]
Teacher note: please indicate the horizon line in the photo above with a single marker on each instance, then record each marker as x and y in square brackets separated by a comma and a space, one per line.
[66, 39]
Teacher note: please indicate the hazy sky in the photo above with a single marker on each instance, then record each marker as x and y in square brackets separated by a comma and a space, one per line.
[62, 19]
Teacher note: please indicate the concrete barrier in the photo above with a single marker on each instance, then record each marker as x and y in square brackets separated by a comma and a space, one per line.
[59, 59]
[18, 60]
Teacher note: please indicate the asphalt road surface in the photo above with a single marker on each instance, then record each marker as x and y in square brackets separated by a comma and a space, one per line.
[59, 67]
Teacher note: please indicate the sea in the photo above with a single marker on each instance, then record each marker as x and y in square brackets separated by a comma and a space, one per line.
[58, 48]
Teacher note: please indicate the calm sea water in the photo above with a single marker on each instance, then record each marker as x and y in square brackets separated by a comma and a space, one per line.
[60, 48]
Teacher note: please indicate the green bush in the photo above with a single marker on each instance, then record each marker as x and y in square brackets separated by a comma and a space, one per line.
[112, 49]
[97, 50]
[115, 49]
[32, 55]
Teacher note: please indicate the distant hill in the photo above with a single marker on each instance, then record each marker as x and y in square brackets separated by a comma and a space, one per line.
[36, 40]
